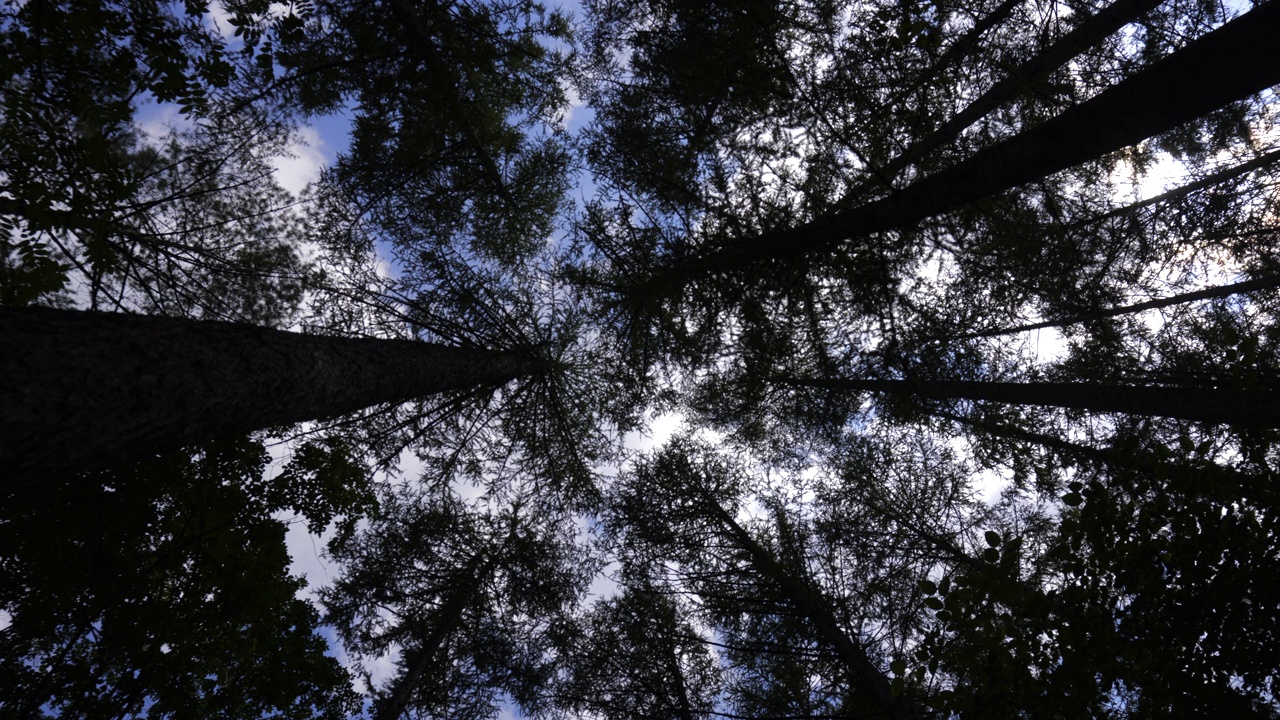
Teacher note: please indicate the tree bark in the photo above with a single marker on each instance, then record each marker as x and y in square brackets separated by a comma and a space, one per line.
[1233, 62]
[1089, 33]
[86, 390]
[1248, 408]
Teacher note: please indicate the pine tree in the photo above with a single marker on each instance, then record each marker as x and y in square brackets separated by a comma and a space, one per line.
[85, 390]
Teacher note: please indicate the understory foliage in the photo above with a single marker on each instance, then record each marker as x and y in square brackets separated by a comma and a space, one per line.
[966, 311]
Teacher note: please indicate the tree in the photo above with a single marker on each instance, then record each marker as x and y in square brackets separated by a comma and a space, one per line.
[637, 655]
[1180, 88]
[466, 593]
[1220, 291]
[104, 213]
[1247, 407]
[92, 389]
[681, 515]
[472, 159]
[1047, 606]
[162, 588]
[791, 205]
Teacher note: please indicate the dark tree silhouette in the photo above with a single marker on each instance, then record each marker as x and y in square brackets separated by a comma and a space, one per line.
[1248, 408]
[1228, 64]
[84, 390]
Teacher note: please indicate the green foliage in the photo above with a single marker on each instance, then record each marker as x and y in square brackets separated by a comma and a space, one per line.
[832, 552]
[28, 271]
[163, 590]
[636, 655]
[471, 588]
[1150, 600]
[189, 224]
[473, 158]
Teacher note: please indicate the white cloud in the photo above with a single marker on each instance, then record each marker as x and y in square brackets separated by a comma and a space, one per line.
[657, 433]
[381, 670]
[572, 109]
[302, 164]
[219, 20]
[603, 586]
[306, 553]
[159, 121]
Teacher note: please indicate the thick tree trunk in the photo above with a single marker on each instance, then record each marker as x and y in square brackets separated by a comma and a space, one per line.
[1249, 408]
[84, 390]
[1228, 64]
[1084, 36]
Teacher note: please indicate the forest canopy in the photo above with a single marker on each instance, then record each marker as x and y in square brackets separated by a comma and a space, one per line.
[964, 313]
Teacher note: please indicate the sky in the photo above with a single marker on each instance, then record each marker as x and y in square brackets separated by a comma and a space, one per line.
[318, 145]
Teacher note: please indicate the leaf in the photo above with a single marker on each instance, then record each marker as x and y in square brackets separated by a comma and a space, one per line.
[1073, 499]
[1185, 442]
[993, 538]
[928, 587]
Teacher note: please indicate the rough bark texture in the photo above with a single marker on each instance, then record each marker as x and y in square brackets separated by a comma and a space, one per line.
[1248, 408]
[1228, 64]
[84, 390]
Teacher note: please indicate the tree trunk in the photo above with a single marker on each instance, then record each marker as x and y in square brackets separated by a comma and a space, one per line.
[85, 390]
[1217, 481]
[808, 601]
[960, 48]
[1233, 62]
[1089, 33]
[1182, 191]
[426, 656]
[1249, 408]
[1220, 291]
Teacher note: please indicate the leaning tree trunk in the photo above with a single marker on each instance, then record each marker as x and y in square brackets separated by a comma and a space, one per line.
[1233, 62]
[85, 390]
[1211, 479]
[426, 656]
[1084, 36]
[808, 601]
[1267, 282]
[1248, 408]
